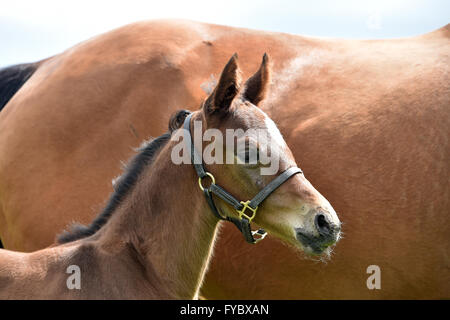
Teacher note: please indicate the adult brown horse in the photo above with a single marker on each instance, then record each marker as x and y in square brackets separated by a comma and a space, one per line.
[147, 243]
[368, 120]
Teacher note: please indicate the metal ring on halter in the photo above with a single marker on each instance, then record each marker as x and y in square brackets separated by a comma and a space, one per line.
[213, 180]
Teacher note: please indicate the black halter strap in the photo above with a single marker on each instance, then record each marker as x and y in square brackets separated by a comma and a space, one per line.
[246, 209]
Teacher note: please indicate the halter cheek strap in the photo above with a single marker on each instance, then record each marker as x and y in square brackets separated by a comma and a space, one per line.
[246, 210]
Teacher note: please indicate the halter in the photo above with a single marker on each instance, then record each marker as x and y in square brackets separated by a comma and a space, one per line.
[246, 210]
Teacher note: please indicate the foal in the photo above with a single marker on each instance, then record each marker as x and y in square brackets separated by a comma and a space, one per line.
[155, 237]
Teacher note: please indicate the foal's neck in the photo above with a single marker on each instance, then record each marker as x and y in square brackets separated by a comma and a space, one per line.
[167, 222]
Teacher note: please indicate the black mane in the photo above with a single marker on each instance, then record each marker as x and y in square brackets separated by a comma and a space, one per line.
[12, 79]
[125, 183]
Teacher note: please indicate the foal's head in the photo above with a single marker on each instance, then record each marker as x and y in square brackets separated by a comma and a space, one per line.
[295, 212]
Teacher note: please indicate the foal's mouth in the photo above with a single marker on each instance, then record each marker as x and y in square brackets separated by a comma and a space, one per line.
[316, 244]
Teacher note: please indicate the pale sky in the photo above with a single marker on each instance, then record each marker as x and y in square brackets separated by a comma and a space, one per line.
[35, 29]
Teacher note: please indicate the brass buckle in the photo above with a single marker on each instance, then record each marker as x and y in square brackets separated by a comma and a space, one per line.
[242, 211]
[213, 181]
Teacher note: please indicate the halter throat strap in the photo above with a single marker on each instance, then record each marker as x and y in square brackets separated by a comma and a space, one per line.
[246, 210]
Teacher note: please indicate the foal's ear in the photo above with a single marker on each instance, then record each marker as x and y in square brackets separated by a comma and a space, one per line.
[257, 86]
[227, 88]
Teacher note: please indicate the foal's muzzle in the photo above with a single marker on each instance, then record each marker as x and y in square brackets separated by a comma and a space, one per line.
[325, 233]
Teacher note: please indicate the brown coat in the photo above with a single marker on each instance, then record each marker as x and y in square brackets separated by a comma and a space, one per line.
[368, 121]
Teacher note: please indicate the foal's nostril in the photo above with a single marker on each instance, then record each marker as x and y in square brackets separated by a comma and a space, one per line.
[322, 224]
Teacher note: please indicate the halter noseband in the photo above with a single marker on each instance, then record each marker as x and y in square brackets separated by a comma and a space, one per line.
[246, 209]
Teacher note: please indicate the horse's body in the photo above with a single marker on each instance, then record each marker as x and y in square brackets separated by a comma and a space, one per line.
[368, 120]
